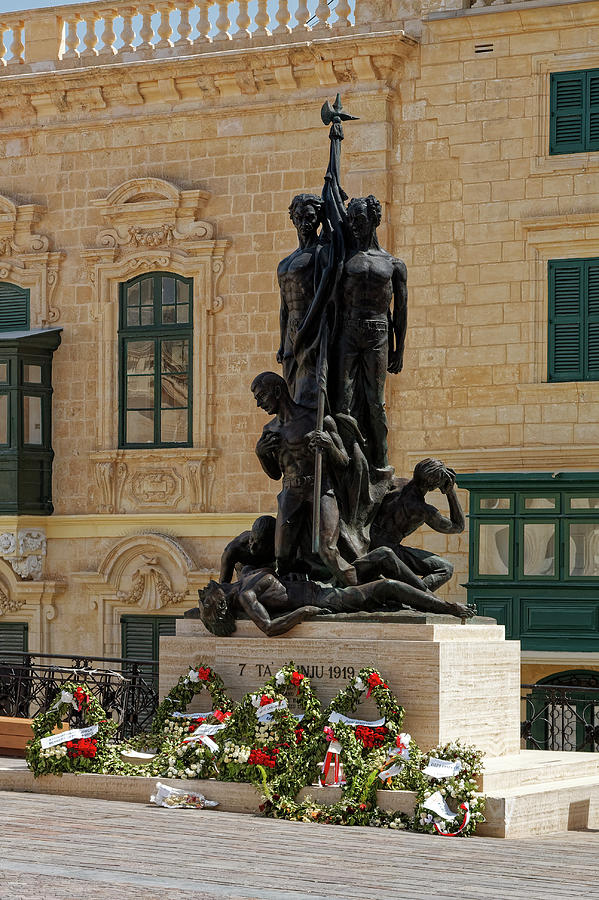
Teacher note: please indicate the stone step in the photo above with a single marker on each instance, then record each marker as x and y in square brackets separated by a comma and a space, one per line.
[531, 767]
[566, 805]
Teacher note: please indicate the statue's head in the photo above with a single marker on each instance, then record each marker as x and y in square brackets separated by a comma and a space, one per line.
[305, 211]
[216, 602]
[430, 474]
[363, 217]
[269, 389]
[262, 537]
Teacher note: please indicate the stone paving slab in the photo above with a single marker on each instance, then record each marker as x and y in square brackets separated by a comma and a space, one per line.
[54, 848]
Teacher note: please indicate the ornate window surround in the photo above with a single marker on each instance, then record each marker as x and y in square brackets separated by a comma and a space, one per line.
[147, 573]
[25, 259]
[151, 225]
[31, 602]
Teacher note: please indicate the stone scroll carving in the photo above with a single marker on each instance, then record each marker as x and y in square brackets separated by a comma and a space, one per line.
[26, 260]
[25, 551]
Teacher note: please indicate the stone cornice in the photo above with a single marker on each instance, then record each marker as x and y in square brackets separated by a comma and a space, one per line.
[516, 459]
[229, 76]
[512, 18]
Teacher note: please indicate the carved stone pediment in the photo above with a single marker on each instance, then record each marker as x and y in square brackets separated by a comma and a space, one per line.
[150, 212]
[25, 258]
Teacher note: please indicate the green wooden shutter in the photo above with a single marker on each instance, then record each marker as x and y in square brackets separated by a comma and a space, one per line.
[14, 307]
[566, 282]
[568, 102]
[591, 372]
[13, 640]
[592, 117]
[137, 633]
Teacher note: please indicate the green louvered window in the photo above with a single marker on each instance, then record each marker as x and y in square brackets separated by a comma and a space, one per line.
[14, 307]
[140, 639]
[574, 111]
[573, 343]
[13, 640]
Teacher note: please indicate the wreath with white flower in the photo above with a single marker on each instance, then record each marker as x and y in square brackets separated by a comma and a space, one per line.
[84, 748]
[198, 679]
[458, 791]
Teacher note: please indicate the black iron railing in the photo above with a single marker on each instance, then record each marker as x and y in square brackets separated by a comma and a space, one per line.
[564, 717]
[126, 688]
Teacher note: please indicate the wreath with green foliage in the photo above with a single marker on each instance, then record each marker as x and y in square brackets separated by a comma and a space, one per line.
[461, 792]
[198, 679]
[77, 755]
[363, 753]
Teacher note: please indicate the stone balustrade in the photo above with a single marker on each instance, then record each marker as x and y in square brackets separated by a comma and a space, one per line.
[94, 33]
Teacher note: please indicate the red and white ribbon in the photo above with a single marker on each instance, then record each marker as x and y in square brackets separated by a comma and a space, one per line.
[466, 808]
[332, 757]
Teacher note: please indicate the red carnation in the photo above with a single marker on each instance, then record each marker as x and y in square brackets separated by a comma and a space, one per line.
[204, 673]
[265, 699]
[296, 678]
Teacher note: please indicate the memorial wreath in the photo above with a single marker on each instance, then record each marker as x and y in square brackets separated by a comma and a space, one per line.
[80, 749]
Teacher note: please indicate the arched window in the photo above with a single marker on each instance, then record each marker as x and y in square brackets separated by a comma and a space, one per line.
[155, 356]
[14, 307]
[562, 712]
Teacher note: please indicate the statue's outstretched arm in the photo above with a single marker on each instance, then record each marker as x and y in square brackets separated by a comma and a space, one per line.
[249, 602]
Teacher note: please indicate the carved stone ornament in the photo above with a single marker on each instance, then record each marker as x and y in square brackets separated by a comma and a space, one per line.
[10, 604]
[24, 550]
[152, 587]
[25, 259]
[150, 212]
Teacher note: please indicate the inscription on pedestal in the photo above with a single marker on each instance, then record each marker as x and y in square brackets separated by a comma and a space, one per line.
[314, 672]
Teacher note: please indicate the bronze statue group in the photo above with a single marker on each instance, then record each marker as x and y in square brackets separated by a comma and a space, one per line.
[336, 545]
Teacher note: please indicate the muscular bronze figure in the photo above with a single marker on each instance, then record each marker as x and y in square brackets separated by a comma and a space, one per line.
[296, 276]
[277, 604]
[250, 548]
[286, 450]
[370, 340]
[404, 509]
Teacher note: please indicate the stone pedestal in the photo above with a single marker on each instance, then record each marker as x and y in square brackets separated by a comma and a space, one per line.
[454, 680]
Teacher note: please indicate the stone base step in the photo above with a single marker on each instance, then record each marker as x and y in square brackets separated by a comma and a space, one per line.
[531, 767]
[562, 804]
[566, 805]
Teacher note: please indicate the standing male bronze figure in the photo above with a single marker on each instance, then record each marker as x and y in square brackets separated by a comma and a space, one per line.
[370, 340]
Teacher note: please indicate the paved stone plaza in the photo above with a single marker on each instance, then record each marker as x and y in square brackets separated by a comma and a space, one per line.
[53, 848]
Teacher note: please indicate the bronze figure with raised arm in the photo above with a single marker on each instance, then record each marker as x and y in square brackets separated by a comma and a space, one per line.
[404, 509]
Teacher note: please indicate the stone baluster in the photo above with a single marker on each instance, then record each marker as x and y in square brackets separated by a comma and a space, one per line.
[90, 38]
[146, 32]
[322, 13]
[17, 48]
[243, 21]
[262, 18]
[164, 29]
[108, 35]
[203, 22]
[223, 23]
[184, 25]
[283, 17]
[302, 14]
[3, 47]
[343, 9]
[127, 34]
[71, 38]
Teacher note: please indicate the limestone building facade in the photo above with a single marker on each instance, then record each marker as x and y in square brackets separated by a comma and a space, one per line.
[149, 154]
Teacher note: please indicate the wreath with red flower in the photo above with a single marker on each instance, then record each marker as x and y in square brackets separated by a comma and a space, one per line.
[198, 679]
[48, 754]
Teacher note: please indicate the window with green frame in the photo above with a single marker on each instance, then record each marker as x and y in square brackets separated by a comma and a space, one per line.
[534, 556]
[573, 340]
[155, 361]
[14, 307]
[140, 639]
[13, 640]
[545, 534]
[574, 111]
